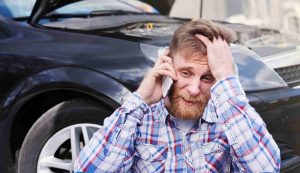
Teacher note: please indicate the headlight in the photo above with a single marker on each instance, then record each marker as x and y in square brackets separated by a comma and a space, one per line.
[254, 74]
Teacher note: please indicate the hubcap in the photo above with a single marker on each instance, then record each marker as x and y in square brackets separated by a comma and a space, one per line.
[60, 151]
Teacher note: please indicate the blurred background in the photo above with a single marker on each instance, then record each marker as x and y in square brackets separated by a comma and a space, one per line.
[272, 14]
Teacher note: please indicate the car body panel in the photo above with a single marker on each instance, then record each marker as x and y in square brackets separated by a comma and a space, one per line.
[106, 62]
[67, 78]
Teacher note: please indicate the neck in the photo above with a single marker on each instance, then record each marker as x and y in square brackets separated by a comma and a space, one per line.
[167, 103]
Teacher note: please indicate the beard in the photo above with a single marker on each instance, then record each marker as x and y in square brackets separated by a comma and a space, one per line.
[185, 106]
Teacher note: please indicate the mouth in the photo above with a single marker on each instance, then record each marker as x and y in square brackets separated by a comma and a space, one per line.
[189, 102]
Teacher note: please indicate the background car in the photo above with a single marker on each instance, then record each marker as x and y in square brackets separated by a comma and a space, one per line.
[65, 65]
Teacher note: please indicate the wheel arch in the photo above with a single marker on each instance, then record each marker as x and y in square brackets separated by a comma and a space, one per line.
[47, 94]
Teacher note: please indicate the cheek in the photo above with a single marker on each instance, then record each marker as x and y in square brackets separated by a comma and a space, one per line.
[205, 89]
[181, 82]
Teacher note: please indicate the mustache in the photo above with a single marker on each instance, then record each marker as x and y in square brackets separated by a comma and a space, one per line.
[189, 98]
[176, 94]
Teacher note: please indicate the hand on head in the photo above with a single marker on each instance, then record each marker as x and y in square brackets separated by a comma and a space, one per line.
[220, 60]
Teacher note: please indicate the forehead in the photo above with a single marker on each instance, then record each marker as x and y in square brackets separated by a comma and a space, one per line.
[190, 58]
[194, 62]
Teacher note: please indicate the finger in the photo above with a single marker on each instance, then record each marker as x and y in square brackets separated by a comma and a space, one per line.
[167, 59]
[164, 72]
[171, 68]
[215, 40]
[225, 46]
[166, 52]
[167, 66]
[225, 43]
[204, 39]
[220, 43]
[158, 61]
[220, 39]
[162, 58]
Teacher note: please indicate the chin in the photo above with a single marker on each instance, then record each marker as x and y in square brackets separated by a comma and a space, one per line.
[184, 109]
[187, 111]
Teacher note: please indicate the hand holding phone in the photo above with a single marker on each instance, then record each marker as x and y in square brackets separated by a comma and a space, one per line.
[158, 80]
[166, 80]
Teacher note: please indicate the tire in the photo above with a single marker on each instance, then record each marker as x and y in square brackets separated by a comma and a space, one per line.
[56, 138]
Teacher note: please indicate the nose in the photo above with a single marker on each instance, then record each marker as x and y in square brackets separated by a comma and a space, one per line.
[194, 88]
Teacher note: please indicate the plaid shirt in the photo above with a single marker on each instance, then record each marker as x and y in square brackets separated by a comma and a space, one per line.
[229, 137]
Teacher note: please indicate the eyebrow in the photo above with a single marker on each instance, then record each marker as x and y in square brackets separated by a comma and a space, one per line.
[185, 68]
[191, 68]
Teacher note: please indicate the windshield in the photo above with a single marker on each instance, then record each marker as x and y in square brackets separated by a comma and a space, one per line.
[23, 8]
[16, 8]
[88, 6]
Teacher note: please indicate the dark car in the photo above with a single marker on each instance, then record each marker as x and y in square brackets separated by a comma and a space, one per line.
[65, 65]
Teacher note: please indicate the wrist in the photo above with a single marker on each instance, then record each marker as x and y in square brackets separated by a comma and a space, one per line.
[143, 97]
[224, 75]
[136, 106]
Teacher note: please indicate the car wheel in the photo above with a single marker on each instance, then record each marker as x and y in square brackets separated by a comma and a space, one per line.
[56, 138]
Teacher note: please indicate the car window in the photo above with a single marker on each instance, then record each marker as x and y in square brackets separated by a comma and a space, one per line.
[16, 8]
[96, 5]
[23, 8]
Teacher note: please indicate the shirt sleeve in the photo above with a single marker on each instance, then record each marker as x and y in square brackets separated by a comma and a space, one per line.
[111, 148]
[252, 147]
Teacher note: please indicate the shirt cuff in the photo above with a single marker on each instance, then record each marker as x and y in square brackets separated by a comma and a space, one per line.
[134, 102]
[226, 89]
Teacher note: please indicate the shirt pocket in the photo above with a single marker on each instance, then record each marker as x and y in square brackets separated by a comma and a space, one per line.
[151, 153]
[212, 148]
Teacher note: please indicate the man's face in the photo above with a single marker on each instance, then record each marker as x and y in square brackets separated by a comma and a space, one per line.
[190, 93]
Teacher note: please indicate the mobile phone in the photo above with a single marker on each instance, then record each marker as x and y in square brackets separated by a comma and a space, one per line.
[166, 85]
[166, 80]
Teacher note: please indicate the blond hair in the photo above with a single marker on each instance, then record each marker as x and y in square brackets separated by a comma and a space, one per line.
[184, 37]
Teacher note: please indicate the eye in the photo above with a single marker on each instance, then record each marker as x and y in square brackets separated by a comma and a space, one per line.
[208, 78]
[185, 74]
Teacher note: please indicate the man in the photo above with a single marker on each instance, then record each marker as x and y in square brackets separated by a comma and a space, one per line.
[204, 125]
